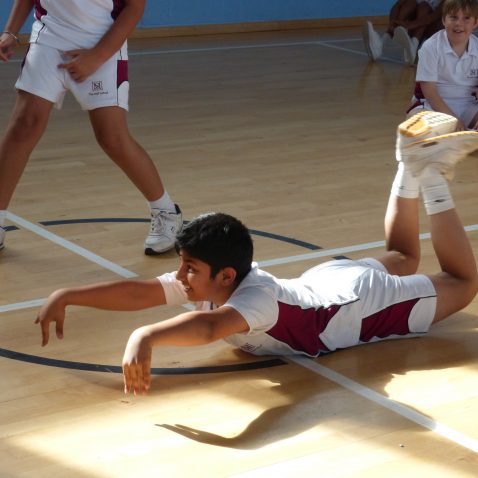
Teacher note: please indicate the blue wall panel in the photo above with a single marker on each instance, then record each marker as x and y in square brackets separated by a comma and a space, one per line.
[201, 12]
[170, 13]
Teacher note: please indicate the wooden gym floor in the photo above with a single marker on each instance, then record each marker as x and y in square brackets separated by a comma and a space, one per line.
[294, 133]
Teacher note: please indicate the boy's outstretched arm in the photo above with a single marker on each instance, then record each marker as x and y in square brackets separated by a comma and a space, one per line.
[85, 62]
[120, 295]
[190, 328]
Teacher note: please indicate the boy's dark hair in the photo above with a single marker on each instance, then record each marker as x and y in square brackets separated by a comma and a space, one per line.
[219, 240]
[449, 7]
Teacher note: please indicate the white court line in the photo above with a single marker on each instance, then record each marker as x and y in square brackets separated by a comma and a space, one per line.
[81, 251]
[326, 372]
[386, 402]
[328, 43]
[362, 53]
[221, 48]
[341, 250]
[28, 304]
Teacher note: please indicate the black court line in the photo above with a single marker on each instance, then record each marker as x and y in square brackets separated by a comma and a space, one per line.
[269, 235]
[290, 240]
[93, 367]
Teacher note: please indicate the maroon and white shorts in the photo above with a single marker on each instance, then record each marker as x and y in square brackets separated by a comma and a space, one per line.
[386, 306]
[107, 86]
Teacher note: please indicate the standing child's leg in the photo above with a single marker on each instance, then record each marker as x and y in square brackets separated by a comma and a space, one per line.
[112, 133]
[25, 128]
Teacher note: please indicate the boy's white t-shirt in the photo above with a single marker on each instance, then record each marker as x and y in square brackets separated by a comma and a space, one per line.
[455, 77]
[73, 24]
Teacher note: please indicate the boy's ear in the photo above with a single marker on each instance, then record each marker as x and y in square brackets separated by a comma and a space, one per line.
[228, 276]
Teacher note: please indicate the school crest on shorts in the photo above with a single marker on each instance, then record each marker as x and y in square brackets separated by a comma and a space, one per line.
[97, 88]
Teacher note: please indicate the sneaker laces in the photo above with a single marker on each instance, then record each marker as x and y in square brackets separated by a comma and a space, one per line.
[157, 225]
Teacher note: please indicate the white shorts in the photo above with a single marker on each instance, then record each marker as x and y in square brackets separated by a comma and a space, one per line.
[107, 86]
[387, 306]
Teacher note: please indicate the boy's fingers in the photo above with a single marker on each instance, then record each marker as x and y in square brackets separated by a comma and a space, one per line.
[138, 383]
[130, 379]
[45, 332]
[126, 379]
[59, 329]
[136, 378]
[146, 366]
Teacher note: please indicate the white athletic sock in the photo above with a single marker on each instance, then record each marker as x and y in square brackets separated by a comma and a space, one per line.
[405, 184]
[3, 216]
[436, 193]
[164, 203]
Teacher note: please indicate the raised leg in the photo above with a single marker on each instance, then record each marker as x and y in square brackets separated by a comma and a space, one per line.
[457, 284]
[401, 236]
[427, 153]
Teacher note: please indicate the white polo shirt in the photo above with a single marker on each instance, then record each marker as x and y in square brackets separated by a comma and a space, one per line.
[454, 76]
[71, 24]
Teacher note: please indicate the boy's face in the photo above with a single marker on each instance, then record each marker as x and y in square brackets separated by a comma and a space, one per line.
[459, 25]
[195, 275]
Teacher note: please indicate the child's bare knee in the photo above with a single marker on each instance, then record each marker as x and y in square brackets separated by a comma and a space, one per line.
[110, 142]
[24, 126]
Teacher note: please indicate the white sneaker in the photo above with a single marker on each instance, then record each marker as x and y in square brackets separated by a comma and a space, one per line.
[2, 237]
[162, 234]
[410, 45]
[425, 124]
[428, 138]
[372, 42]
